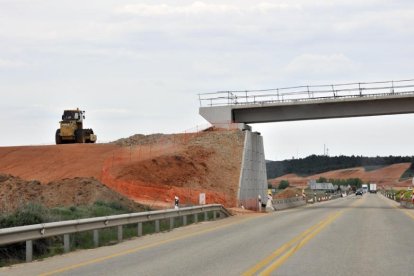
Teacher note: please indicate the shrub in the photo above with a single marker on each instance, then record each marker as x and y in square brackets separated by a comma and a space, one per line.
[31, 213]
[283, 184]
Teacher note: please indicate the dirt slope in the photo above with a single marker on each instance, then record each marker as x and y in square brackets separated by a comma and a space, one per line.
[48, 163]
[153, 169]
[150, 169]
[388, 176]
[15, 192]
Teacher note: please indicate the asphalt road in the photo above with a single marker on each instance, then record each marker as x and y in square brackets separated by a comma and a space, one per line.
[365, 235]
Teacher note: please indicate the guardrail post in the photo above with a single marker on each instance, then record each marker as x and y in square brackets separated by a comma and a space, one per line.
[29, 251]
[66, 243]
[139, 229]
[184, 220]
[96, 238]
[205, 216]
[195, 218]
[120, 228]
[171, 223]
[157, 226]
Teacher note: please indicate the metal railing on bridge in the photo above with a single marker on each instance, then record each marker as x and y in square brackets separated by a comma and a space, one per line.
[307, 93]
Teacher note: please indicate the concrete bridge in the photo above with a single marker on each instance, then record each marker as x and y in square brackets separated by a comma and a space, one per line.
[298, 103]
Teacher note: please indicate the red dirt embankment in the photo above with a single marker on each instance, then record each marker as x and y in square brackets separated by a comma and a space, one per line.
[388, 176]
[49, 163]
[150, 169]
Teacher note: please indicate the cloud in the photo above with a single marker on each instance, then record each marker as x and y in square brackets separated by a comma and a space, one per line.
[313, 64]
[269, 7]
[164, 9]
[12, 64]
[394, 21]
[197, 8]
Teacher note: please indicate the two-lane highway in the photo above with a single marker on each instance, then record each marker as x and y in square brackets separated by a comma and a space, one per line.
[351, 236]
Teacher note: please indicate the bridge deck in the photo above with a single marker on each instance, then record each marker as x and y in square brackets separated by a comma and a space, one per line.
[309, 102]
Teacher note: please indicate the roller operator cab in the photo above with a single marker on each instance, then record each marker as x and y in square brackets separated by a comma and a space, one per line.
[71, 129]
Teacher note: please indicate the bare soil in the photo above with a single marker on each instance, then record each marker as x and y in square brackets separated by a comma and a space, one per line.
[149, 169]
[15, 192]
[288, 193]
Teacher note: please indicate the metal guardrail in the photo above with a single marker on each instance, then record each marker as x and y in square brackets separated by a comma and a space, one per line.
[307, 93]
[407, 204]
[390, 195]
[288, 200]
[29, 233]
[281, 204]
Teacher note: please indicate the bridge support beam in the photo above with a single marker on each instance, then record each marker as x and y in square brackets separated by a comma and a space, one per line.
[253, 179]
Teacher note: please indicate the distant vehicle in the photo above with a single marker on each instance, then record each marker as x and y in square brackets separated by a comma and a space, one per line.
[373, 188]
[359, 192]
[364, 188]
[71, 128]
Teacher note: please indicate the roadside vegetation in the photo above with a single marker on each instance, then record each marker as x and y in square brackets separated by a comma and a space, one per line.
[283, 184]
[402, 195]
[33, 213]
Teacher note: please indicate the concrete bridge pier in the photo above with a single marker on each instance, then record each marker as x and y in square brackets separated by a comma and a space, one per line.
[253, 179]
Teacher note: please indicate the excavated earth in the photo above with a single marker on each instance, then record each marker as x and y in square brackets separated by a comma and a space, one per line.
[15, 192]
[149, 169]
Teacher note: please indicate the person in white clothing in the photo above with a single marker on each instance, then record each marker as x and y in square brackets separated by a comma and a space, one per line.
[176, 202]
[269, 203]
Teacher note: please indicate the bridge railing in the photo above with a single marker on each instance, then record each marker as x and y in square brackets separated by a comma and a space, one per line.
[29, 233]
[306, 93]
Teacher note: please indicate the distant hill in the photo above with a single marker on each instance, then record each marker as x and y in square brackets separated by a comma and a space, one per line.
[385, 177]
[315, 164]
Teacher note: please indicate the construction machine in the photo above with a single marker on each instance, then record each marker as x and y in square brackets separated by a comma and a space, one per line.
[71, 129]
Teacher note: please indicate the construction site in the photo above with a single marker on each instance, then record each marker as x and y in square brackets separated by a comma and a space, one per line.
[148, 169]
[224, 165]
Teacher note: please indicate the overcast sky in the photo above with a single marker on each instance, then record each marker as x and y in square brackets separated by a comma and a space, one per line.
[137, 66]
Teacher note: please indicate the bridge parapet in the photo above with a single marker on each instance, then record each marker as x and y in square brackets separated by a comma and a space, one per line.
[307, 93]
[309, 102]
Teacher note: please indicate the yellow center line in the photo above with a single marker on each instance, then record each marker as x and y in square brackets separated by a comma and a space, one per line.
[288, 249]
[134, 250]
[301, 243]
[282, 249]
[408, 213]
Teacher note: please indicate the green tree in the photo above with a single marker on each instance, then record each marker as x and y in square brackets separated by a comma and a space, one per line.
[283, 184]
[322, 180]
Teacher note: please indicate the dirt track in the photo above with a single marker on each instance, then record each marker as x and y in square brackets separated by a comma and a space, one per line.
[149, 169]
